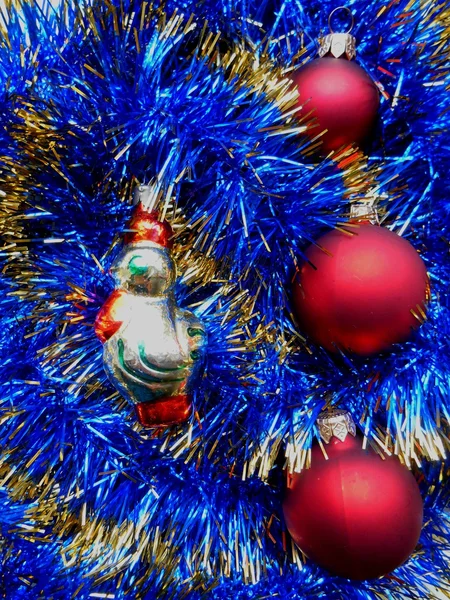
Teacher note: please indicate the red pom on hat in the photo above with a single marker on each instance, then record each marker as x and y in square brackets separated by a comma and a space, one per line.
[145, 226]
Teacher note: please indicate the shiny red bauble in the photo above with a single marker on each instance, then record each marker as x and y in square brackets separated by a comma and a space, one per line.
[343, 99]
[355, 514]
[365, 292]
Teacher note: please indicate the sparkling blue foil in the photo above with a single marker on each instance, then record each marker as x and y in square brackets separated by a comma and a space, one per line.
[97, 96]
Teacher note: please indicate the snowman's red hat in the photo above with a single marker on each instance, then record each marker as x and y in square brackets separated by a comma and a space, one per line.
[145, 226]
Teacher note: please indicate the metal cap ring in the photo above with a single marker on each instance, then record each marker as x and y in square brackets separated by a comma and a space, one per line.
[334, 11]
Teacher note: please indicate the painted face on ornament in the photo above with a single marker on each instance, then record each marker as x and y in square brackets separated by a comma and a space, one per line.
[144, 268]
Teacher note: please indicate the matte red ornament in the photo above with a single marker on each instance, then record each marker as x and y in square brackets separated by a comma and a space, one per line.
[355, 514]
[341, 97]
[361, 292]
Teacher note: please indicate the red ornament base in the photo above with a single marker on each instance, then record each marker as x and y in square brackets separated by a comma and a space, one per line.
[343, 99]
[164, 412]
[356, 515]
[365, 293]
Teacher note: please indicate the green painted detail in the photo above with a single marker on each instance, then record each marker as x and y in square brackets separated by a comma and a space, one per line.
[193, 331]
[154, 367]
[195, 354]
[141, 376]
[136, 266]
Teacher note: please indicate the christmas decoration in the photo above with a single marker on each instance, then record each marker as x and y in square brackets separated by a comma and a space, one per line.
[337, 93]
[100, 94]
[361, 289]
[355, 514]
[152, 349]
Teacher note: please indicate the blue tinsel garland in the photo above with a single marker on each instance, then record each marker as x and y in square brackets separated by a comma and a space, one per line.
[96, 96]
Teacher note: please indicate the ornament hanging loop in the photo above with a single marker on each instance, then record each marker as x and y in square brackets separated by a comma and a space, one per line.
[348, 11]
[338, 44]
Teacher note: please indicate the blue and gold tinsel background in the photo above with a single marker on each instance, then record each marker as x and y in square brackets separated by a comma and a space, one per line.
[195, 99]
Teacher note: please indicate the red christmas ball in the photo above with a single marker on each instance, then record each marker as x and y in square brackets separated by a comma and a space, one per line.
[366, 292]
[355, 514]
[343, 99]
